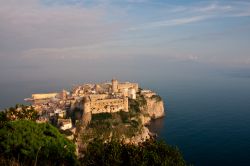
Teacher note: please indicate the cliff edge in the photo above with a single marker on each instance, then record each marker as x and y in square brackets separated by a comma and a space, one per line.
[129, 127]
[155, 107]
[151, 105]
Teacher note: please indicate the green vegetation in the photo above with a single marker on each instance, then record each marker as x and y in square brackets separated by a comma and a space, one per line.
[157, 98]
[25, 142]
[112, 126]
[141, 100]
[125, 116]
[29, 142]
[75, 115]
[66, 132]
[3, 118]
[101, 116]
[118, 154]
[19, 112]
[136, 105]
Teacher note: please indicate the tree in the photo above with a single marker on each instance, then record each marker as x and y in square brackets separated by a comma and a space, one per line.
[3, 118]
[115, 153]
[21, 112]
[30, 143]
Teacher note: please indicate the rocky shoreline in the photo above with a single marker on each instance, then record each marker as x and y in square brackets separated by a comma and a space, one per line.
[109, 110]
[156, 111]
[150, 106]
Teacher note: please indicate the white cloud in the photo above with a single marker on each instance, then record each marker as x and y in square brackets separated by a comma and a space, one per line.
[32, 29]
[181, 15]
[28, 24]
[171, 22]
[137, 1]
[214, 7]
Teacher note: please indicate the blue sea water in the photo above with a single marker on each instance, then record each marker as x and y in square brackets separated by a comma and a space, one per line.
[207, 113]
[208, 119]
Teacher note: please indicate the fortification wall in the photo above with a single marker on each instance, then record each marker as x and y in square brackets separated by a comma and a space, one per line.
[106, 106]
[44, 96]
[95, 97]
[127, 85]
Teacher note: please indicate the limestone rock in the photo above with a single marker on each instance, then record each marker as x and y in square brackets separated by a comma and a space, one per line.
[155, 107]
[140, 137]
[145, 119]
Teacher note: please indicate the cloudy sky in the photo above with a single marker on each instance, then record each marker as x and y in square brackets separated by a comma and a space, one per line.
[43, 38]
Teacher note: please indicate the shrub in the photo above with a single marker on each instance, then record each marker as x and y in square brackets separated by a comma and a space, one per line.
[29, 142]
[134, 106]
[148, 153]
[141, 100]
[20, 112]
[156, 97]
[124, 116]
[3, 118]
[101, 116]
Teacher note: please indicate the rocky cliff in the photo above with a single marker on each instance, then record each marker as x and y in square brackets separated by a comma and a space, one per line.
[151, 107]
[130, 126]
[155, 107]
[140, 137]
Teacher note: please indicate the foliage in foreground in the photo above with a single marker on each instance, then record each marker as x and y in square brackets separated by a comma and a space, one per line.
[118, 154]
[25, 142]
[111, 125]
[28, 143]
[19, 112]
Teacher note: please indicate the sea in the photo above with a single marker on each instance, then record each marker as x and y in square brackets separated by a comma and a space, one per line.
[207, 111]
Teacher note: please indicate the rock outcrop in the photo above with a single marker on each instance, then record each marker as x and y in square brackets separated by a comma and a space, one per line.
[127, 126]
[155, 107]
[140, 137]
[145, 120]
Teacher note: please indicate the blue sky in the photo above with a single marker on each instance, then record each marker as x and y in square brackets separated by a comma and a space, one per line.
[43, 33]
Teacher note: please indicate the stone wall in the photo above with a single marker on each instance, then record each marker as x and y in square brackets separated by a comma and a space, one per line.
[128, 85]
[105, 105]
[95, 97]
[44, 96]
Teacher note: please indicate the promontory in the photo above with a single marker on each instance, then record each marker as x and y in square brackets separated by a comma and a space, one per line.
[110, 110]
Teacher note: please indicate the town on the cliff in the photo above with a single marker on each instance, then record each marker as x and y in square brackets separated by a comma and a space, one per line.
[109, 97]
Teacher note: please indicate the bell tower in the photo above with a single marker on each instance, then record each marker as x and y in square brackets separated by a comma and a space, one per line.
[114, 85]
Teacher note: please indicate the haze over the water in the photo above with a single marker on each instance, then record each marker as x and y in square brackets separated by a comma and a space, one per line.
[195, 54]
[72, 39]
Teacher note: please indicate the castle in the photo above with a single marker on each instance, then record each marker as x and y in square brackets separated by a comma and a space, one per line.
[85, 100]
[90, 98]
[114, 99]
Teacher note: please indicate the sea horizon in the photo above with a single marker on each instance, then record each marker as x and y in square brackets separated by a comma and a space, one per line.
[207, 114]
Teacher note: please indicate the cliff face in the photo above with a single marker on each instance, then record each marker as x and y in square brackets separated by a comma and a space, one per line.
[140, 137]
[145, 120]
[130, 126]
[155, 107]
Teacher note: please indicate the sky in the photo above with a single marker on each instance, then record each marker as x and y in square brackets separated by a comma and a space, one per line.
[59, 39]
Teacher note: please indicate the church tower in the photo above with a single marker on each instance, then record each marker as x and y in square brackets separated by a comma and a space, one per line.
[114, 85]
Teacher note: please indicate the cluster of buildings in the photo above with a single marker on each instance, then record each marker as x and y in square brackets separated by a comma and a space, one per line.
[89, 98]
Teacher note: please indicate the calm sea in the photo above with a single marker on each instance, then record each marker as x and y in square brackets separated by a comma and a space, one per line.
[207, 114]
[208, 118]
